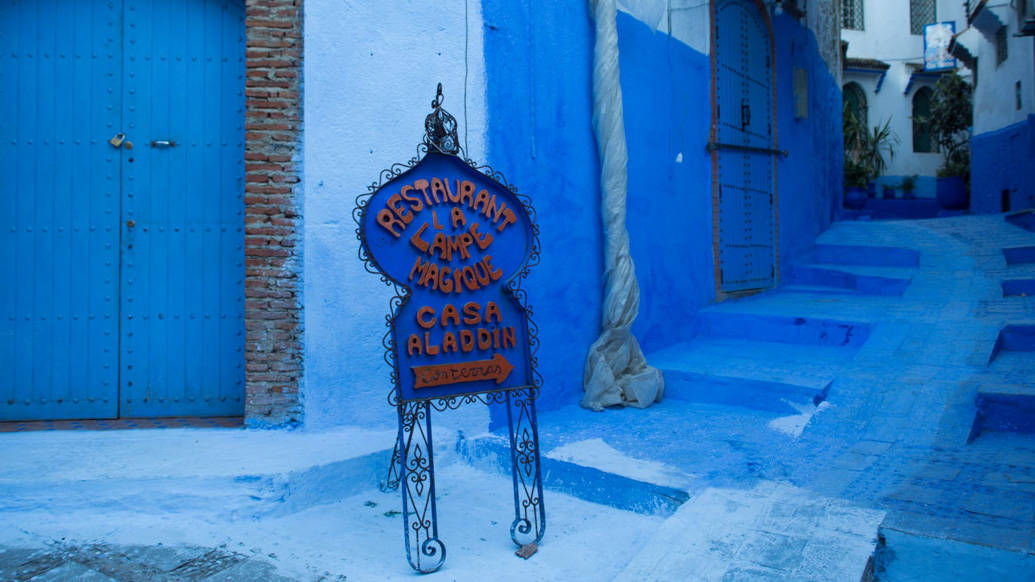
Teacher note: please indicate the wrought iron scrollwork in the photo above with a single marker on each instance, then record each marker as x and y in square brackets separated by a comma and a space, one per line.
[420, 518]
[529, 513]
[411, 467]
[440, 127]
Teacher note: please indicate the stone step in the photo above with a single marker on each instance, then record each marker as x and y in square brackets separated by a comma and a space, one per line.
[1014, 338]
[872, 256]
[601, 475]
[848, 280]
[1019, 255]
[722, 322]
[910, 557]
[748, 393]
[1018, 287]
[1004, 408]
[772, 531]
[231, 474]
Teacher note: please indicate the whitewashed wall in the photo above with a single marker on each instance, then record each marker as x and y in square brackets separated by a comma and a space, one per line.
[994, 97]
[887, 38]
[370, 74]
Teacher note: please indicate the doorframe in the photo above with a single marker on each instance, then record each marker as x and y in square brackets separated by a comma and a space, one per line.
[713, 136]
[273, 317]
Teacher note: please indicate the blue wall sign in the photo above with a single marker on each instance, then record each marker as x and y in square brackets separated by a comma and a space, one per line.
[455, 242]
[937, 37]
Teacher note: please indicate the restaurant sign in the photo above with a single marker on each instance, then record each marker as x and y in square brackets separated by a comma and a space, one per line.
[455, 242]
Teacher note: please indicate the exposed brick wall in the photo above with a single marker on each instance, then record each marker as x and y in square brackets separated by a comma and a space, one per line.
[273, 208]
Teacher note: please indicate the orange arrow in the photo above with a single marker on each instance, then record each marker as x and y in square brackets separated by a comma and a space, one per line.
[498, 368]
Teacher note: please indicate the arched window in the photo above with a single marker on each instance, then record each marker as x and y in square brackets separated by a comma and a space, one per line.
[923, 141]
[855, 98]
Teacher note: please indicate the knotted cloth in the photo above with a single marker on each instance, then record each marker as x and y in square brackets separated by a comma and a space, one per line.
[616, 371]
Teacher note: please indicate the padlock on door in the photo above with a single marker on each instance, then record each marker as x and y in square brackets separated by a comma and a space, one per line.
[117, 139]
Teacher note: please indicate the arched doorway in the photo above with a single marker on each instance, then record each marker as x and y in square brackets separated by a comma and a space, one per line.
[124, 220]
[855, 101]
[743, 146]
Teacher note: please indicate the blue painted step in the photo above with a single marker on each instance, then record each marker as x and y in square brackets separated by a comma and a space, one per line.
[745, 392]
[1009, 406]
[1018, 287]
[492, 453]
[1024, 219]
[1005, 408]
[779, 329]
[1019, 255]
[868, 256]
[846, 280]
[1014, 338]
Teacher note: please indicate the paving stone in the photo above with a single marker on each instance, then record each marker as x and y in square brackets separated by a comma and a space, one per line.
[11, 558]
[248, 570]
[72, 572]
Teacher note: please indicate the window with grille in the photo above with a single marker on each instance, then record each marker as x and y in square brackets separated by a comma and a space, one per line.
[852, 14]
[923, 141]
[1000, 45]
[921, 12]
[855, 97]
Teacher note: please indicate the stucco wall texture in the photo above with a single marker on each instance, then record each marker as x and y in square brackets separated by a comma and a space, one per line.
[1001, 165]
[528, 112]
[371, 70]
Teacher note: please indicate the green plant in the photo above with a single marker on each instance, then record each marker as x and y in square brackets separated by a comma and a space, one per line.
[950, 120]
[879, 141]
[909, 184]
[855, 174]
[865, 149]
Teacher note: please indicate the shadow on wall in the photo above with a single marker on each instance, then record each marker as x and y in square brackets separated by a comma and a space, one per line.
[1001, 166]
[538, 65]
[666, 90]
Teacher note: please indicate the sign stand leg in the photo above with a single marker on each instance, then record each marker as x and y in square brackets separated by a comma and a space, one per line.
[424, 550]
[391, 482]
[529, 514]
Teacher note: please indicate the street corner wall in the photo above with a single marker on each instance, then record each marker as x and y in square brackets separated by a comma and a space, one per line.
[666, 93]
[1002, 163]
[810, 179]
[371, 69]
[538, 66]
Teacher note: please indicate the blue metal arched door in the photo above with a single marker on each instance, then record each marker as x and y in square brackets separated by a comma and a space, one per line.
[123, 218]
[743, 146]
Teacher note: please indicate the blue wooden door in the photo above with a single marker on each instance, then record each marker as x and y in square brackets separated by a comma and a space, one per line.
[60, 92]
[744, 117]
[182, 300]
[124, 287]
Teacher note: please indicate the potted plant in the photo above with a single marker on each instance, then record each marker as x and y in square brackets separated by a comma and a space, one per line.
[889, 191]
[879, 141]
[855, 185]
[950, 121]
[864, 156]
[856, 176]
[908, 187]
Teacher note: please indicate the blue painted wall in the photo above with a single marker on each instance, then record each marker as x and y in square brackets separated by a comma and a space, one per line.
[538, 66]
[810, 179]
[538, 60]
[667, 106]
[666, 92]
[1000, 160]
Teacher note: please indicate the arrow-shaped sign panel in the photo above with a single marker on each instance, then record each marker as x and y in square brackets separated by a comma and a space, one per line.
[498, 368]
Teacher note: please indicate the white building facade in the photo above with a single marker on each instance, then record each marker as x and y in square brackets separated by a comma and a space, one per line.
[884, 73]
[998, 44]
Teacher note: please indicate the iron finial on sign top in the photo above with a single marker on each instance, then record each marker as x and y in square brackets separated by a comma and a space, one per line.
[440, 127]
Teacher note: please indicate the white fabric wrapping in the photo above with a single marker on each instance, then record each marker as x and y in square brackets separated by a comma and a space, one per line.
[616, 371]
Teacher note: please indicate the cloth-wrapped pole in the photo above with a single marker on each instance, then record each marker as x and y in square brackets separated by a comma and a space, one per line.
[616, 372]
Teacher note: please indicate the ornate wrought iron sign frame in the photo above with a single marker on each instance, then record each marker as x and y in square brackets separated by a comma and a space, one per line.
[442, 373]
